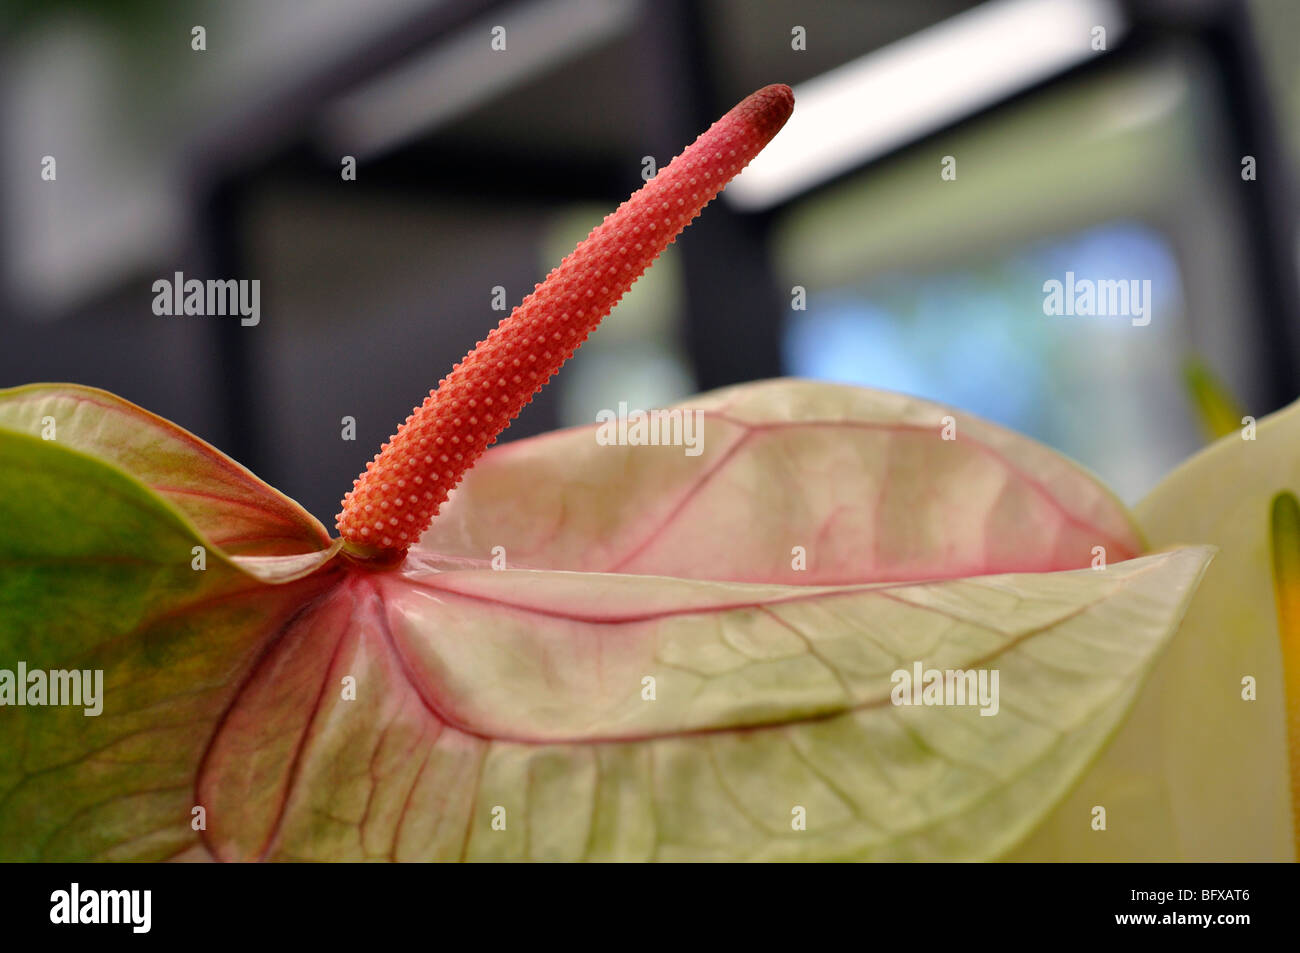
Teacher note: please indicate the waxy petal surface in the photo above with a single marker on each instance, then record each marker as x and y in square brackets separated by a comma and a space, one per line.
[862, 480]
[232, 507]
[523, 691]
[317, 709]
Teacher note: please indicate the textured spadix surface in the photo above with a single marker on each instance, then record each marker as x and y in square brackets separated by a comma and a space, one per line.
[404, 486]
[520, 695]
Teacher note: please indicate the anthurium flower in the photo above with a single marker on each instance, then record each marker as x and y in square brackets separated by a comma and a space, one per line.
[592, 651]
[1208, 766]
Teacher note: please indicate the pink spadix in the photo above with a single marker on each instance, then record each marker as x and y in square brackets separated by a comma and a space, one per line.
[392, 503]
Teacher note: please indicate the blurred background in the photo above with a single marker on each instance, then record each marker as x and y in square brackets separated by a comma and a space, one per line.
[946, 159]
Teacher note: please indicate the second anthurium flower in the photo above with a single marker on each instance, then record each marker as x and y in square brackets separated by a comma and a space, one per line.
[685, 656]
[1207, 768]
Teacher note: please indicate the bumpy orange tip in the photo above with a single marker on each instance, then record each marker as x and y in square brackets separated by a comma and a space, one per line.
[394, 501]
